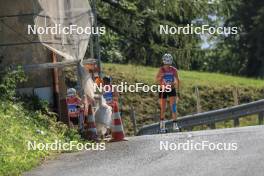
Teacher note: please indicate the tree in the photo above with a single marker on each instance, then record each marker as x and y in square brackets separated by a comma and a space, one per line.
[135, 27]
[241, 54]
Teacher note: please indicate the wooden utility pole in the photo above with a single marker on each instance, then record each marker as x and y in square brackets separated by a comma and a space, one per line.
[236, 102]
[97, 54]
[56, 88]
[133, 119]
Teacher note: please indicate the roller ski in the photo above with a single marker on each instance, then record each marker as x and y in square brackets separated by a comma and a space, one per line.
[175, 127]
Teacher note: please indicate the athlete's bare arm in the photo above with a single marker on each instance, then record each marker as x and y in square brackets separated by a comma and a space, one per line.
[177, 80]
[159, 77]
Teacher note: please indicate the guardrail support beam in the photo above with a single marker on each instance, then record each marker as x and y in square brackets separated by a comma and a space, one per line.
[212, 126]
[260, 118]
[189, 128]
[236, 122]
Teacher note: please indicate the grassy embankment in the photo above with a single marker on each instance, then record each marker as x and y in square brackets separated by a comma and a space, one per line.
[24, 120]
[21, 122]
[216, 91]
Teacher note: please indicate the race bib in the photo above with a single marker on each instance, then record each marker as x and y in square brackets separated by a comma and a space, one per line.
[72, 108]
[168, 78]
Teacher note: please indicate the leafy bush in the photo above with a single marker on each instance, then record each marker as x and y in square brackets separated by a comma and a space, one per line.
[24, 119]
[9, 80]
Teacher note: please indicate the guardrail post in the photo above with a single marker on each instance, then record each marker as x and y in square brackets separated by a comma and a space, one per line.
[236, 102]
[235, 95]
[212, 126]
[260, 118]
[133, 119]
[189, 128]
[198, 100]
[236, 122]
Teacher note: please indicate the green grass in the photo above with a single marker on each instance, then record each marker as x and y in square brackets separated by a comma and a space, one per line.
[216, 91]
[189, 78]
[18, 126]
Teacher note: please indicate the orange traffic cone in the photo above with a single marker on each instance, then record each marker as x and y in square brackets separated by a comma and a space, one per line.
[91, 127]
[117, 126]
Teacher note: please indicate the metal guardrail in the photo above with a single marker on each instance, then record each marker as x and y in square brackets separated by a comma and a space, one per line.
[210, 117]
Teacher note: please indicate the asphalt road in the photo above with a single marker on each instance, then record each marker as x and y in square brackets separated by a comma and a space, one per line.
[141, 156]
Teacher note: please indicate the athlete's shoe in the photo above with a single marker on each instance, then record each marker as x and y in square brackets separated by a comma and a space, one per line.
[162, 127]
[175, 127]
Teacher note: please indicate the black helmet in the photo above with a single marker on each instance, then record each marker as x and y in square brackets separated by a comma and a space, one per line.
[107, 79]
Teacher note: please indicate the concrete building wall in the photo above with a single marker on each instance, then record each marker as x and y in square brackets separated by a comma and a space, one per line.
[13, 30]
[19, 48]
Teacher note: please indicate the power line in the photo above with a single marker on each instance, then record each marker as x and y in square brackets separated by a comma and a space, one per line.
[17, 15]
[46, 16]
[30, 42]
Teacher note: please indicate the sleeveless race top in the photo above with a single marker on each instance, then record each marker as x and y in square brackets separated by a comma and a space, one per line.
[72, 103]
[168, 75]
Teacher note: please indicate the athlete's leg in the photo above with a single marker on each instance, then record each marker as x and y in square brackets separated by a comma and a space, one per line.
[162, 115]
[162, 101]
[173, 107]
[162, 108]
